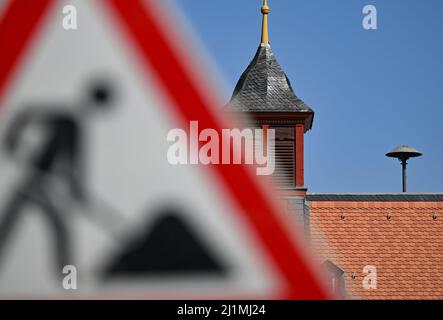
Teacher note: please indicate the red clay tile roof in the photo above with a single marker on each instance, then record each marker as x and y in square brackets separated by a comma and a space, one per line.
[406, 249]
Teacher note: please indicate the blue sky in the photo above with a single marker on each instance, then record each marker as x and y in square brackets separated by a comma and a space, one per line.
[371, 90]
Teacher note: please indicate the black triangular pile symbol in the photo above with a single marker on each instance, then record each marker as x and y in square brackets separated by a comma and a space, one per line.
[169, 248]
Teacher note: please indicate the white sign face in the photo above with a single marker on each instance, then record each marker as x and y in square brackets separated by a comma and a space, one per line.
[89, 204]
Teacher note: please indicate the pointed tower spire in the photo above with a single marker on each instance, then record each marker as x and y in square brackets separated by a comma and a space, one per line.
[264, 32]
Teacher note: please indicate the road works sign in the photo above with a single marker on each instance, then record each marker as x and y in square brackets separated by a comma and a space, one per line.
[90, 206]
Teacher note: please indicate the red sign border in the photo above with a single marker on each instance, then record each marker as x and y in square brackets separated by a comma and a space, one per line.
[18, 28]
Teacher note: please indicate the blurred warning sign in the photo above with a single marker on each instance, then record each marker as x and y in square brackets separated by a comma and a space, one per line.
[86, 191]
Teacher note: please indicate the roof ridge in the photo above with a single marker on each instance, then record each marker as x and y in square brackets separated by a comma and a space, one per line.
[377, 197]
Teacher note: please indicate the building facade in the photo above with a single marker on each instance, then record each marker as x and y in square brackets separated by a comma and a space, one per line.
[372, 246]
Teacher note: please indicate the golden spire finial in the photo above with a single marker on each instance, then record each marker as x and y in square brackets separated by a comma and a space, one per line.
[264, 32]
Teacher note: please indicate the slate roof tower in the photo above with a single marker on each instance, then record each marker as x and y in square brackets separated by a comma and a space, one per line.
[266, 94]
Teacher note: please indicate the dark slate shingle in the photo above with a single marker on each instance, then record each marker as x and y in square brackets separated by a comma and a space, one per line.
[264, 87]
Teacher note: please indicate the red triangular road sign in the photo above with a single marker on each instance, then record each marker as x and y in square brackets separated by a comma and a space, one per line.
[144, 30]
